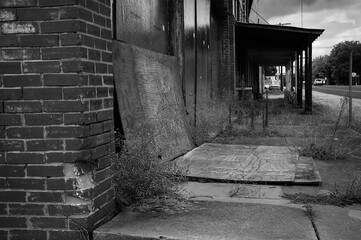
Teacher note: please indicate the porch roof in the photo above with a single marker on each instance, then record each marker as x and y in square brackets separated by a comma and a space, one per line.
[273, 44]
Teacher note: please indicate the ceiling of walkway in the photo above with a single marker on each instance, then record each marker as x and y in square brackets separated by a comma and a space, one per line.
[273, 45]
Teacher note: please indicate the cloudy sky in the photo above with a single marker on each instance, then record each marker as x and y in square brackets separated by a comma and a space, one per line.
[341, 19]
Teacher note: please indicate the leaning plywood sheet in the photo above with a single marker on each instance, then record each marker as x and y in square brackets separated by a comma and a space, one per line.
[148, 87]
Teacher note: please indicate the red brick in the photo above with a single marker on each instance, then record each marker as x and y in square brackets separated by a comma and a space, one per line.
[92, 5]
[10, 68]
[48, 222]
[41, 67]
[86, 15]
[104, 198]
[98, 152]
[61, 184]
[12, 170]
[87, 41]
[108, 103]
[102, 92]
[61, 235]
[22, 107]
[22, 81]
[19, 28]
[3, 185]
[28, 234]
[108, 23]
[69, 13]
[42, 93]
[62, 26]
[94, 54]
[11, 145]
[108, 80]
[76, 118]
[45, 197]
[76, 144]
[10, 94]
[26, 209]
[65, 80]
[30, 183]
[10, 119]
[25, 157]
[64, 53]
[93, 30]
[79, 156]
[70, 39]
[45, 145]
[100, 43]
[110, 69]
[51, 3]
[37, 14]
[39, 41]
[79, 93]
[95, 80]
[20, 54]
[104, 10]
[72, 66]
[109, 46]
[106, 57]
[7, 15]
[55, 157]
[104, 162]
[64, 106]
[68, 210]
[106, 34]
[96, 104]
[25, 132]
[18, 3]
[3, 209]
[9, 41]
[65, 132]
[99, 20]
[45, 171]
[12, 222]
[12, 196]
[43, 119]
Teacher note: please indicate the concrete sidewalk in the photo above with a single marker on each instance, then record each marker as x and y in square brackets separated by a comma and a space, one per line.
[246, 211]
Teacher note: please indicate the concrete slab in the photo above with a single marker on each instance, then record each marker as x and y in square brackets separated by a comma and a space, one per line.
[307, 172]
[335, 223]
[241, 163]
[212, 221]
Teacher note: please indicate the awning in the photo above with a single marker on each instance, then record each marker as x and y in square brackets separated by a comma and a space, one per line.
[273, 44]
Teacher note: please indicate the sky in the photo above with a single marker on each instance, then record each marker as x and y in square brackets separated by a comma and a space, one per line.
[341, 19]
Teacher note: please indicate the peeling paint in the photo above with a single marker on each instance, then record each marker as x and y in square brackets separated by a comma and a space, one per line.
[13, 28]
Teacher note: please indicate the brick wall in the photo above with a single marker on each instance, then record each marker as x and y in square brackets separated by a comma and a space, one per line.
[56, 118]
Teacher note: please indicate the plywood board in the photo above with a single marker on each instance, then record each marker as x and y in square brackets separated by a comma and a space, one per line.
[148, 87]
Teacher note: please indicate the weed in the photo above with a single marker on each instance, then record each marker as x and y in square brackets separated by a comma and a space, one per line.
[140, 171]
[309, 211]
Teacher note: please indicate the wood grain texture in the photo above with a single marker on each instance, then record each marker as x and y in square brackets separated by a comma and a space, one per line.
[149, 91]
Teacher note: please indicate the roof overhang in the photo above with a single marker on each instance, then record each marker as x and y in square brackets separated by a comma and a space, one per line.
[273, 45]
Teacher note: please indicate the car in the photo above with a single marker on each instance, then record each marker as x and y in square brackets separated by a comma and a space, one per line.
[318, 81]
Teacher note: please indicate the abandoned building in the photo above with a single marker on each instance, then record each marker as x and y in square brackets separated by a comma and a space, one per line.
[57, 93]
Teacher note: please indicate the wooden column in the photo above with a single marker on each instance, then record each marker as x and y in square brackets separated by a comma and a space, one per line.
[308, 79]
[300, 79]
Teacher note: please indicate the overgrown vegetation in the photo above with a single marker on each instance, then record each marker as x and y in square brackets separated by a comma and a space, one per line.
[350, 195]
[141, 174]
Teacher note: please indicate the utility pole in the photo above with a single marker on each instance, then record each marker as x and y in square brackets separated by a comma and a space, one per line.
[350, 92]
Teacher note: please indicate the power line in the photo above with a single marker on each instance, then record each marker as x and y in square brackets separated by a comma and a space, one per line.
[259, 15]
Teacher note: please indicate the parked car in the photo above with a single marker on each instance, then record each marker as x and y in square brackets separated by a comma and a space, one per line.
[318, 81]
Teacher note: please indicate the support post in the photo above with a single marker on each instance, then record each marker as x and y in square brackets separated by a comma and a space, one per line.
[308, 79]
[350, 92]
[300, 80]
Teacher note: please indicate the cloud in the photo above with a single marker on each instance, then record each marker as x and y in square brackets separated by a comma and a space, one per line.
[338, 17]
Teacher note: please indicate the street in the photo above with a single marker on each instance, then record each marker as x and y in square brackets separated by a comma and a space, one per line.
[339, 90]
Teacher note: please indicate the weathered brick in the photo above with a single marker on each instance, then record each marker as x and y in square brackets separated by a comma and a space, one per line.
[106, 57]
[78, 156]
[95, 80]
[39, 41]
[88, 41]
[48, 222]
[104, 162]
[43, 119]
[110, 69]
[12, 170]
[3, 185]
[12, 222]
[65, 132]
[93, 30]
[45, 145]
[76, 144]
[106, 34]
[19, 28]
[96, 104]
[28, 234]
[70, 39]
[41, 67]
[45, 171]
[68, 210]
[104, 10]
[60, 235]
[20, 54]
[65, 80]
[25, 132]
[88, 67]
[64, 53]
[72, 66]
[3, 209]
[94, 54]
[10, 68]
[26, 209]
[12, 196]
[102, 92]
[10, 94]
[7, 15]
[10, 120]
[11, 145]
[100, 43]
[25, 157]
[18, 3]
[9, 41]
[61, 184]
[37, 14]
[62, 26]
[100, 20]
[79, 93]
[45, 197]
[69, 13]
[22, 81]
[22, 107]
[92, 5]
[108, 80]
[26, 183]
[108, 103]
[86, 15]
[2, 155]
[104, 198]
[64, 106]
[55, 157]
[51, 3]
[76, 118]
[42, 93]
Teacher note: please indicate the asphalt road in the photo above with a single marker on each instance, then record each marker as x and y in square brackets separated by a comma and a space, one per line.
[339, 90]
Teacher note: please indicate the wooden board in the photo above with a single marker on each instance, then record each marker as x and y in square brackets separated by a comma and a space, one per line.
[148, 87]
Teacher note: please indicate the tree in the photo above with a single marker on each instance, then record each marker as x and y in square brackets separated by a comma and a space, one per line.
[339, 60]
[321, 67]
[270, 70]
